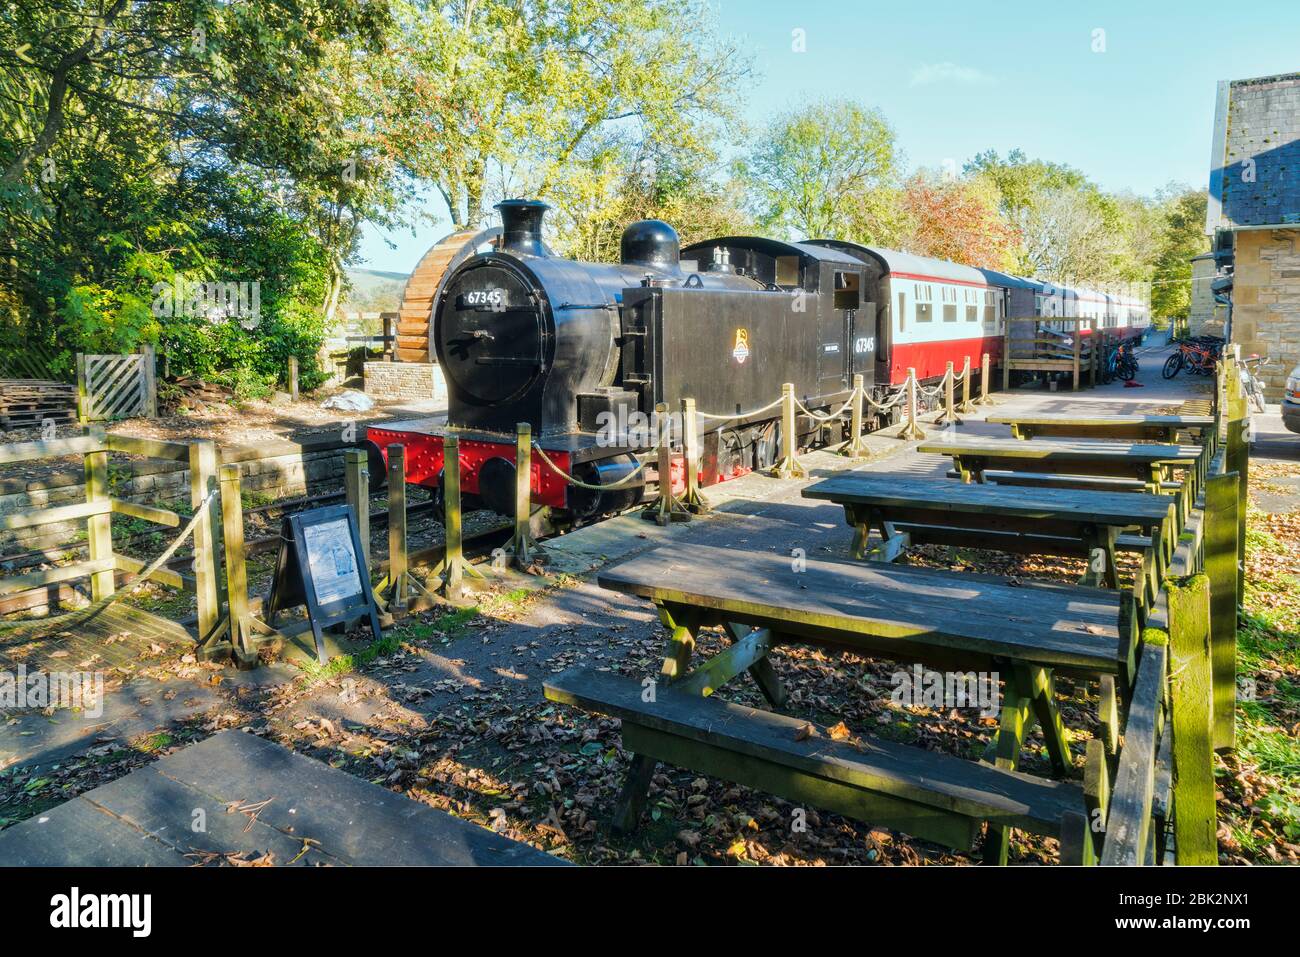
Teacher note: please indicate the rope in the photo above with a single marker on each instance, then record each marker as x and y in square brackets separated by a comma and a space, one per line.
[63, 622]
[848, 404]
[737, 415]
[621, 483]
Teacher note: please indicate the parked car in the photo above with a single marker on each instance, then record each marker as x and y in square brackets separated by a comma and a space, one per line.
[1291, 401]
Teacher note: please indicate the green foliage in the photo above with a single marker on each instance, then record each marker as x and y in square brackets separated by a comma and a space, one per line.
[815, 164]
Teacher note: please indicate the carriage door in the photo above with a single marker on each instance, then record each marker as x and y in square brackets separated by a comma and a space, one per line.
[848, 305]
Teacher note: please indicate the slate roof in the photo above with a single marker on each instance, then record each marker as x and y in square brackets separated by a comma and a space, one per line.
[1255, 163]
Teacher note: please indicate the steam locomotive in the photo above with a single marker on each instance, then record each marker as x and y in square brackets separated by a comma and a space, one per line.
[582, 351]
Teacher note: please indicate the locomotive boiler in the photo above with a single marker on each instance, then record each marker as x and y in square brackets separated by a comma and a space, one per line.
[584, 351]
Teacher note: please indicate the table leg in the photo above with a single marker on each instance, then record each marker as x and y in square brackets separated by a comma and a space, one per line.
[1043, 688]
[681, 624]
[1004, 752]
[764, 675]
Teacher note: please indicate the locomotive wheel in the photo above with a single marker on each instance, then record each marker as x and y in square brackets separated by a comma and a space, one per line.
[415, 316]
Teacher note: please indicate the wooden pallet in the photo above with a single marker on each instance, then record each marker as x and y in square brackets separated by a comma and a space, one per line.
[119, 636]
[25, 403]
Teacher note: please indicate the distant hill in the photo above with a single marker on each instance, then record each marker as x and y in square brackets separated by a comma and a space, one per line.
[373, 291]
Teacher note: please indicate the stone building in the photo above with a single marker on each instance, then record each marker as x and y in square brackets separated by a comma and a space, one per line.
[1255, 200]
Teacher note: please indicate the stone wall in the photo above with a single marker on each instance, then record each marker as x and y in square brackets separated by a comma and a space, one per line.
[275, 471]
[405, 381]
[1206, 317]
[1266, 301]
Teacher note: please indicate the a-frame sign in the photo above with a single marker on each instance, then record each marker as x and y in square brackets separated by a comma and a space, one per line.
[320, 566]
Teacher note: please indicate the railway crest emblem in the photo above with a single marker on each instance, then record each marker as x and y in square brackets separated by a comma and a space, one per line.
[741, 351]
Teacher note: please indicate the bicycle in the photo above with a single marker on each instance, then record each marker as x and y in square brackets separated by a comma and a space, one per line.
[1197, 355]
[1254, 386]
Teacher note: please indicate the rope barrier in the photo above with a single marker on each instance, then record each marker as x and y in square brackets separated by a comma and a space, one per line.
[738, 415]
[848, 404]
[62, 622]
[621, 483]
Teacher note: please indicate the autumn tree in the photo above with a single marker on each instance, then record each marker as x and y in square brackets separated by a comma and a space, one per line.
[958, 220]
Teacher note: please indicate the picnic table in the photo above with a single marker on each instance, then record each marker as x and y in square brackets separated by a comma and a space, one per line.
[1151, 428]
[1148, 463]
[965, 623]
[1053, 521]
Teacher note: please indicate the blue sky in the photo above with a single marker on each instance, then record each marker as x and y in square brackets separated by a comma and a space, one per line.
[956, 78]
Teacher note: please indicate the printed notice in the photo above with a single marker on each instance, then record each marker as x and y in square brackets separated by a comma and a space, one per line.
[330, 559]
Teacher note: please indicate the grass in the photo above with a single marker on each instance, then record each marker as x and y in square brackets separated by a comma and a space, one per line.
[1260, 782]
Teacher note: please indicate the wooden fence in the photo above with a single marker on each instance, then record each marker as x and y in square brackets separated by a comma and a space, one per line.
[117, 386]
[102, 563]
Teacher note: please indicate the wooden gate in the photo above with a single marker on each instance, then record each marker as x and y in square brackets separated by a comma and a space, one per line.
[116, 387]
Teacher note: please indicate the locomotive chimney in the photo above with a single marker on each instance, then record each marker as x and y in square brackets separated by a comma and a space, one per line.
[521, 226]
[651, 242]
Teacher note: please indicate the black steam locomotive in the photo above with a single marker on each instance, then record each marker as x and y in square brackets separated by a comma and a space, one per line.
[580, 351]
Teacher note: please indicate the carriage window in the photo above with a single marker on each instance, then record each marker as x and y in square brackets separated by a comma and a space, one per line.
[924, 312]
[902, 311]
[949, 313]
[787, 271]
[972, 313]
[847, 295]
[991, 316]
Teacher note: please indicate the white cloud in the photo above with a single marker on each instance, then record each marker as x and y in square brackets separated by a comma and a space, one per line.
[928, 74]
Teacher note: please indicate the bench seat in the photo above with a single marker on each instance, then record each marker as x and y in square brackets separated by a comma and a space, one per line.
[935, 796]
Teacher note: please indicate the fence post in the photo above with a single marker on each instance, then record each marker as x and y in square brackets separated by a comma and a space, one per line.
[1237, 459]
[966, 405]
[1191, 694]
[242, 646]
[522, 545]
[99, 528]
[984, 381]
[666, 506]
[1078, 351]
[83, 391]
[454, 567]
[356, 483]
[208, 587]
[949, 416]
[857, 446]
[910, 429]
[149, 380]
[694, 500]
[397, 567]
[788, 466]
[293, 378]
[1221, 567]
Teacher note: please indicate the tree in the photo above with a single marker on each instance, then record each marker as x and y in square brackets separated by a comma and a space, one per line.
[958, 220]
[497, 97]
[1183, 238]
[146, 142]
[814, 166]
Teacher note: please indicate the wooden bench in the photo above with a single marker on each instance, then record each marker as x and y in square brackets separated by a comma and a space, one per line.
[1143, 428]
[1053, 522]
[1023, 631]
[1147, 463]
[931, 795]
